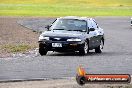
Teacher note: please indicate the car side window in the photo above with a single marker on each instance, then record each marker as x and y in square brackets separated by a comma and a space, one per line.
[94, 24]
[90, 24]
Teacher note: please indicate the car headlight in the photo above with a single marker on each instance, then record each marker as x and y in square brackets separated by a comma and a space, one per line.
[74, 39]
[43, 38]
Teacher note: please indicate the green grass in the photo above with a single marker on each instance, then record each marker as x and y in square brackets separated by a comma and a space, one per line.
[16, 48]
[65, 7]
[72, 2]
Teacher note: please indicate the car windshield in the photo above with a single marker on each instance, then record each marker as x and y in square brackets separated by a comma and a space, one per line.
[69, 25]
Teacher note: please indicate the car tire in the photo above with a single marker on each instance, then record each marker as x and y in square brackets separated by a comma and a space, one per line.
[100, 47]
[42, 51]
[85, 49]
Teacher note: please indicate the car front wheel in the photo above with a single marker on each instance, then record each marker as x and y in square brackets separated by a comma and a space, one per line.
[42, 51]
[100, 47]
[85, 49]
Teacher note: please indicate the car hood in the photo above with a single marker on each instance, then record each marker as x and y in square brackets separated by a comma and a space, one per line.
[63, 33]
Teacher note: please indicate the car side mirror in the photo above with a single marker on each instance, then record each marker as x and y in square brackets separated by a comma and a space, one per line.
[47, 26]
[91, 29]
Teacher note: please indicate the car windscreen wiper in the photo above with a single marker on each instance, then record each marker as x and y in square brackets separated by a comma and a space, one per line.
[78, 30]
[58, 29]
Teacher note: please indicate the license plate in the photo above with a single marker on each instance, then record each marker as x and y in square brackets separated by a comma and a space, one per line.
[56, 45]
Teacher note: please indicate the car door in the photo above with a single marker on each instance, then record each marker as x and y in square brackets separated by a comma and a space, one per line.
[98, 33]
[92, 35]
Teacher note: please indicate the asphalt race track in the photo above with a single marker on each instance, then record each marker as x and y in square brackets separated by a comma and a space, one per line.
[116, 56]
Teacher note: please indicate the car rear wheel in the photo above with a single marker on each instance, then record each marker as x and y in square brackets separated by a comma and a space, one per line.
[85, 49]
[100, 47]
[42, 50]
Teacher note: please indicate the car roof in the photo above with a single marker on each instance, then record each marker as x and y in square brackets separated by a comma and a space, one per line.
[75, 17]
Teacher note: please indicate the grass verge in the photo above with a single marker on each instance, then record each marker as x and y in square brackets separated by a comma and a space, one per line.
[63, 10]
[16, 48]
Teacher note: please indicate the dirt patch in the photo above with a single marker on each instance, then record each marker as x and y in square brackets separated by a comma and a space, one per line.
[14, 37]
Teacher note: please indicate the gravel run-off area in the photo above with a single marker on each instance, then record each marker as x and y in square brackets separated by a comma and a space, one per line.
[13, 34]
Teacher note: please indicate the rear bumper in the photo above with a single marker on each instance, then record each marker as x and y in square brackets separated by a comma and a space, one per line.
[66, 46]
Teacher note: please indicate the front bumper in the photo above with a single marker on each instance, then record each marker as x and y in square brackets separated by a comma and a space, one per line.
[66, 46]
